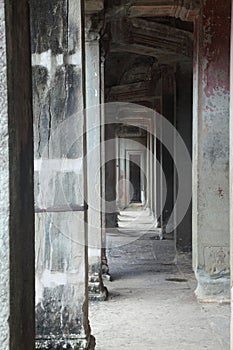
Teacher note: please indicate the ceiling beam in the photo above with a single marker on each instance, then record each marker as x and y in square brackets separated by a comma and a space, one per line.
[166, 43]
[183, 9]
[131, 92]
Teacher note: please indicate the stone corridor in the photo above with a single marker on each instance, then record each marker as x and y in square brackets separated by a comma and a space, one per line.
[109, 107]
[152, 303]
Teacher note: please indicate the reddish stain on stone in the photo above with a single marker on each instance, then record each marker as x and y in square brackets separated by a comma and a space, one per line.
[208, 108]
[217, 26]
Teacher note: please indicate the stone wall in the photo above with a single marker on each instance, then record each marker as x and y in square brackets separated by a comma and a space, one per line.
[16, 179]
[4, 193]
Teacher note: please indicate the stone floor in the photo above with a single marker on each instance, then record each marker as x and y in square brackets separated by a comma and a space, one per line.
[152, 304]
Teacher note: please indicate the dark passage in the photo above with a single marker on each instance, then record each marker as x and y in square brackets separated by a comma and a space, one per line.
[135, 178]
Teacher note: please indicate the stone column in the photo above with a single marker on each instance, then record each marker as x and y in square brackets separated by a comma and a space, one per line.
[158, 176]
[110, 179]
[211, 151]
[149, 170]
[184, 87]
[16, 179]
[93, 117]
[60, 175]
[105, 268]
[231, 179]
[168, 110]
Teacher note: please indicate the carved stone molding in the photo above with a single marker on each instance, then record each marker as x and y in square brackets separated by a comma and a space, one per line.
[130, 92]
[166, 43]
[183, 9]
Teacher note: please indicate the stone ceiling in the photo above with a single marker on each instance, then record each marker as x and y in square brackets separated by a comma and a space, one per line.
[137, 30]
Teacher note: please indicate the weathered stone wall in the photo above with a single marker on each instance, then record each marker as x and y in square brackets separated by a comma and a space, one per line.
[4, 193]
[16, 179]
[231, 176]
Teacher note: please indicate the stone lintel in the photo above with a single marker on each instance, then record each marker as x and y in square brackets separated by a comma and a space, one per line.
[185, 10]
[153, 39]
[131, 92]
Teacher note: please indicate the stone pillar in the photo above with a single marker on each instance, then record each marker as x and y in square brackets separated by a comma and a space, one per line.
[110, 178]
[184, 87]
[149, 174]
[93, 117]
[158, 176]
[105, 268]
[211, 151]
[231, 179]
[16, 179]
[168, 108]
[60, 176]
[152, 178]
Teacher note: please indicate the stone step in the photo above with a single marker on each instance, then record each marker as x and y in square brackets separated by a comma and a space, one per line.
[140, 220]
[130, 213]
[135, 226]
[137, 220]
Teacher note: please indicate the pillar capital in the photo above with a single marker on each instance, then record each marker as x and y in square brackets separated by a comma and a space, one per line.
[91, 36]
[93, 27]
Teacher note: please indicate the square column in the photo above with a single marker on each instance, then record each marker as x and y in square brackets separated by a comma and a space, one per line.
[16, 179]
[97, 291]
[168, 111]
[105, 268]
[211, 151]
[231, 178]
[184, 76]
[60, 176]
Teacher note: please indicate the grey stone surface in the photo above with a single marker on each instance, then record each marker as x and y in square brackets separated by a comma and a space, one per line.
[49, 26]
[18, 212]
[211, 149]
[184, 87]
[93, 122]
[231, 172]
[152, 303]
[61, 253]
[4, 193]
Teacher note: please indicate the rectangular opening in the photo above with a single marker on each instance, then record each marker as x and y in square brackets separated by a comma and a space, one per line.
[135, 178]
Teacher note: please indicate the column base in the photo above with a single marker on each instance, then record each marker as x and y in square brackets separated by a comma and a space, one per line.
[212, 289]
[96, 290]
[105, 271]
[73, 342]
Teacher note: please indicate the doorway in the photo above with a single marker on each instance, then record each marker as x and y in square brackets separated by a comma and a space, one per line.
[135, 177]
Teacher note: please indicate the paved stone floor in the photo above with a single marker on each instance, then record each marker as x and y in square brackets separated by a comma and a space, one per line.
[152, 304]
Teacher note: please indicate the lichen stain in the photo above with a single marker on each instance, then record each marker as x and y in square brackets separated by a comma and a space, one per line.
[217, 49]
